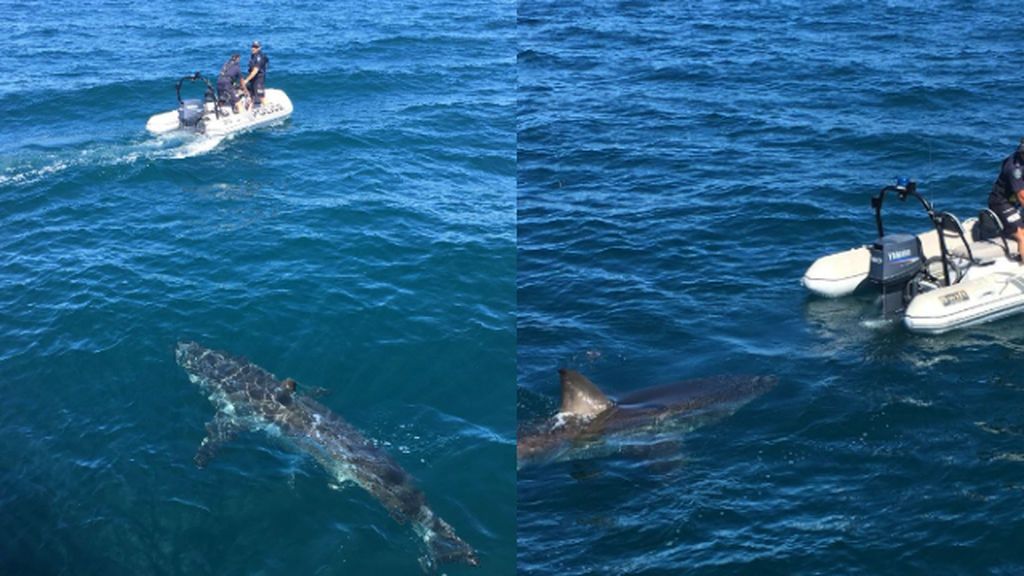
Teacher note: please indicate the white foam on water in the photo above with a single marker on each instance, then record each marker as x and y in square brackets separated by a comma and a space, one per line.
[1009, 457]
[197, 146]
[877, 323]
[915, 402]
[33, 174]
[41, 166]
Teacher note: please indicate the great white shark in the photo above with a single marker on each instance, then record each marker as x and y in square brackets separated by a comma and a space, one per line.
[249, 398]
[590, 424]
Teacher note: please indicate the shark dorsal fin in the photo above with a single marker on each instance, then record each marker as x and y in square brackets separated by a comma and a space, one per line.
[579, 396]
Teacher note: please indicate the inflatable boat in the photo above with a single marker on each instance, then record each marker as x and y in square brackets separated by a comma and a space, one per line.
[951, 276]
[213, 118]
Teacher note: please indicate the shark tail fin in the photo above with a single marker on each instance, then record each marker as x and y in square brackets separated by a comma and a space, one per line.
[444, 547]
[580, 396]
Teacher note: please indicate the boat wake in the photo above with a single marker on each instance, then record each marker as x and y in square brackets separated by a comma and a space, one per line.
[39, 165]
[181, 146]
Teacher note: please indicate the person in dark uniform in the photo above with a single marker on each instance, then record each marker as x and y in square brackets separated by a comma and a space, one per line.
[229, 81]
[1007, 196]
[257, 73]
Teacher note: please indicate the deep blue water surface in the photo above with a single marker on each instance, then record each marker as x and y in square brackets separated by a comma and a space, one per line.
[680, 165]
[365, 246]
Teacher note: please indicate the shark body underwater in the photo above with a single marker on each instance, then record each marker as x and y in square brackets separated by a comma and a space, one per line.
[248, 398]
[591, 425]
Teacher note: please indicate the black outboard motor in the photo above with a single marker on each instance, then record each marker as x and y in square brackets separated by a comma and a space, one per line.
[190, 112]
[895, 260]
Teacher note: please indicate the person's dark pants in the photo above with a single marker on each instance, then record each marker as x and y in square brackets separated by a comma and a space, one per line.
[226, 95]
[256, 89]
[1008, 213]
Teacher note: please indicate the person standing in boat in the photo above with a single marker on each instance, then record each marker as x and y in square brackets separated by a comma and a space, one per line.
[229, 81]
[257, 73]
[1007, 196]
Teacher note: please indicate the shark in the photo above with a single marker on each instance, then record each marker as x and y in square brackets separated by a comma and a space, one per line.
[590, 424]
[250, 399]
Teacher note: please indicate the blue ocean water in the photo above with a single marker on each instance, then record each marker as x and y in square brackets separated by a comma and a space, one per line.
[680, 165]
[365, 246]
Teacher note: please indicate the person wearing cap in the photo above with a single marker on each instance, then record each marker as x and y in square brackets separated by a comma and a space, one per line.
[257, 73]
[229, 81]
[1007, 196]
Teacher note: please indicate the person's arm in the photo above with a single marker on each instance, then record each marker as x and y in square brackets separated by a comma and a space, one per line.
[1019, 236]
[241, 84]
[1019, 232]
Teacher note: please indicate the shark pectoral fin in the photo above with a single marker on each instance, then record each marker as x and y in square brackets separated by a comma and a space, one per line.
[444, 547]
[218, 431]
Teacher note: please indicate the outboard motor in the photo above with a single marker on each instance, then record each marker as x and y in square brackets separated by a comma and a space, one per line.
[895, 260]
[190, 113]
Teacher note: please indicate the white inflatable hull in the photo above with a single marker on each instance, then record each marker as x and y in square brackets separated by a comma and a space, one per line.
[276, 107]
[998, 294]
[839, 274]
